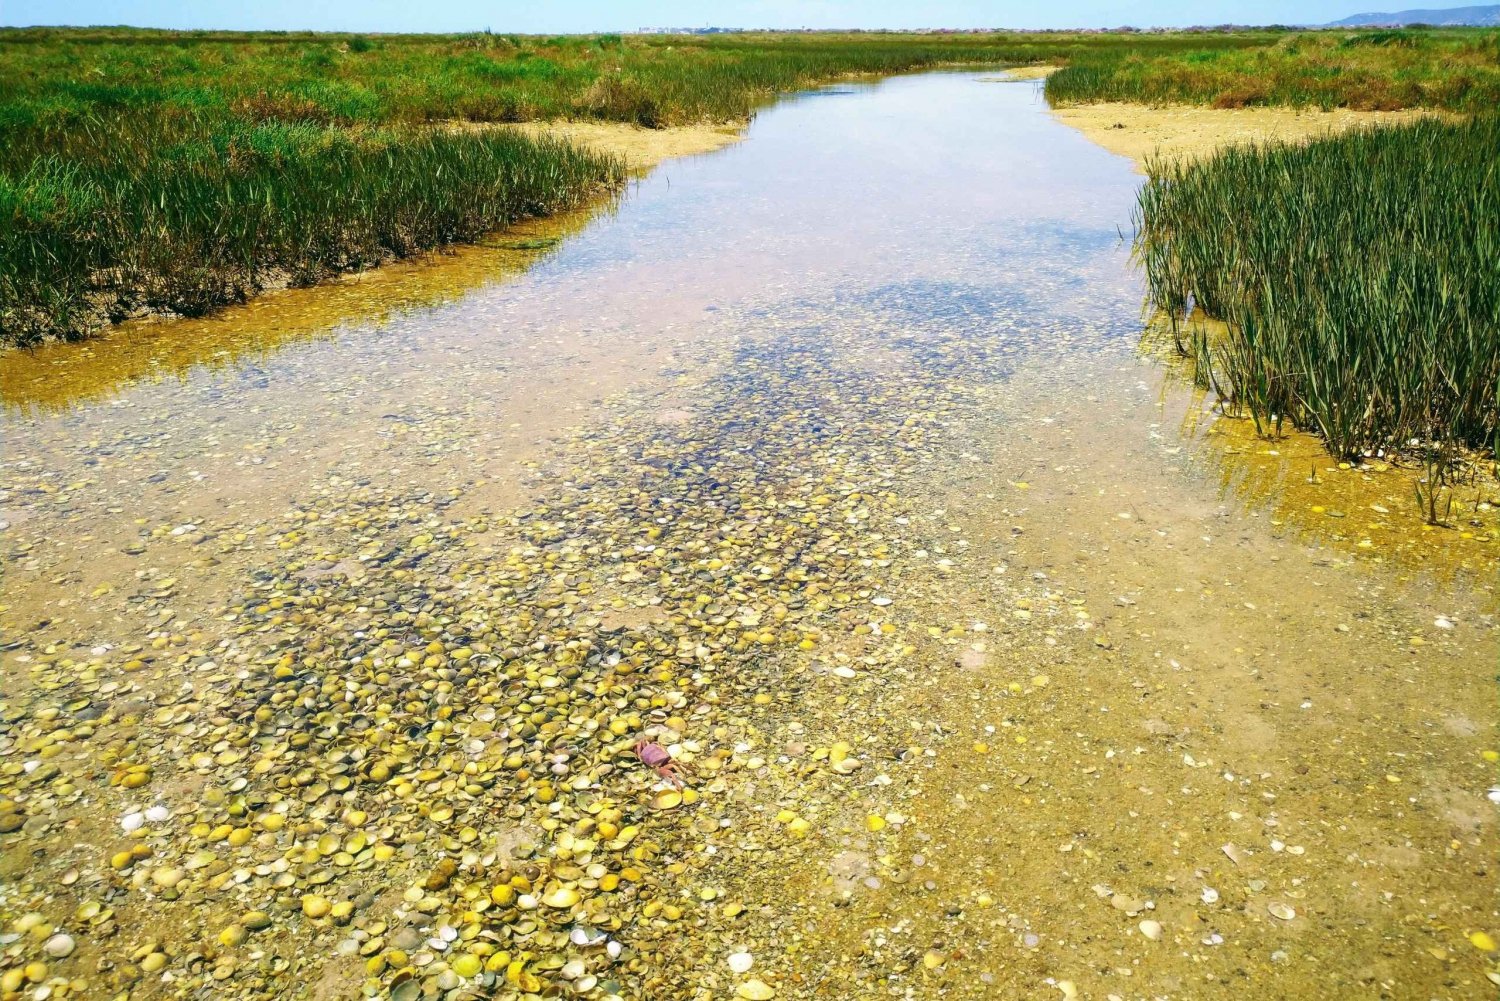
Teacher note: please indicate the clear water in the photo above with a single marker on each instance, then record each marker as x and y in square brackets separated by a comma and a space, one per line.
[887, 345]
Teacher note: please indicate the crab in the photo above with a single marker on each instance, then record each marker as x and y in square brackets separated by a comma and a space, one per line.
[659, 759]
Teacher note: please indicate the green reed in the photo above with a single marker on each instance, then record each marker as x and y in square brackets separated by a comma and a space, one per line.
[177, 171]
[183, 215]
[1455, 69]
[1358, 276]
[61, 74]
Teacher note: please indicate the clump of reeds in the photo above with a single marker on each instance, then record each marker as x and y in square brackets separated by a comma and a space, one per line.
[107, 218]
[1358, 275]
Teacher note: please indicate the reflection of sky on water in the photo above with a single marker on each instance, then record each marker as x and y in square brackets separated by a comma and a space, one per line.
[941, 177]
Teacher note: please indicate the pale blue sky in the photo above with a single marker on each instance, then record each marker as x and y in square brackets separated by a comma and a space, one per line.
[559, 16]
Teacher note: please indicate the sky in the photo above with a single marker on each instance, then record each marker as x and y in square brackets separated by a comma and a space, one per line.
[566, 16]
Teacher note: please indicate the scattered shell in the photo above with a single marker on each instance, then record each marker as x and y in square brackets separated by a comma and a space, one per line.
[561, 898]
[60, 946]
[740, 962]
[667, 800]
[1279, 910]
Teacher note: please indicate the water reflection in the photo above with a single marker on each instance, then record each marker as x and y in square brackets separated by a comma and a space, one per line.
[57, 375]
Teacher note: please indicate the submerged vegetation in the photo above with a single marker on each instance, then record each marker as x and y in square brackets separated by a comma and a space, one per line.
[1359, 278]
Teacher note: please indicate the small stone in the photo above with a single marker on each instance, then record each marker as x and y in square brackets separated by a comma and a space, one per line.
[1151, 929]
[315, 906]
[755, 990]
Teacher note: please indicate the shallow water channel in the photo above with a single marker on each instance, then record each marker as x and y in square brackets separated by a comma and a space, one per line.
[828, 462]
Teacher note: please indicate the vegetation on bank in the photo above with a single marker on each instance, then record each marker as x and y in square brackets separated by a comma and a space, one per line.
[54, 77]
[1451, 69]
[184, 215]
[1359, 278]
[176, 171]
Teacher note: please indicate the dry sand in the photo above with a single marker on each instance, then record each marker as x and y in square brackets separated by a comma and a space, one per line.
[640, 148]
[1139, 132]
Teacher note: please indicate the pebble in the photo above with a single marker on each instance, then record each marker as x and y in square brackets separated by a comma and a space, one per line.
[755, 990]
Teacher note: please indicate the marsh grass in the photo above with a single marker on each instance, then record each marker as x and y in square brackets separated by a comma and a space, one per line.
[164, 214]
[58, 75]
[1452, 69]
[1358, 276]
[177, 171]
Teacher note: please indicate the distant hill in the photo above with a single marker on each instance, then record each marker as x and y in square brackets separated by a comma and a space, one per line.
[1452, 16]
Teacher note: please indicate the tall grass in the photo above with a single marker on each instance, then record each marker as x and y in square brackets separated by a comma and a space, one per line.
[1454, 69]
[177, 214]
[60, 74]
[180, 170]
[177, 171]
[1359, 277]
